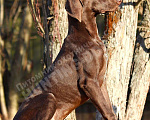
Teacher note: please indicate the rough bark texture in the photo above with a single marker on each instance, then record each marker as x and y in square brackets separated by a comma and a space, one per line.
[122, 27]
[58, 24]
[120, 52]
[139, 83]
[18, 61]
[60, 27]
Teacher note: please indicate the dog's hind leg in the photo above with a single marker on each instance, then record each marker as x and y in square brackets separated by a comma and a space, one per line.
[40, 107]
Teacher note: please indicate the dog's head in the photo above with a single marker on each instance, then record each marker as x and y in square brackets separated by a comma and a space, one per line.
[75, 7]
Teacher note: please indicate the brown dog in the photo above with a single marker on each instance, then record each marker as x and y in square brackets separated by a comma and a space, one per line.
[77, 74]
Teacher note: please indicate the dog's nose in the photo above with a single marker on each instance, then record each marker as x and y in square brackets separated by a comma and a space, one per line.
[119, 2]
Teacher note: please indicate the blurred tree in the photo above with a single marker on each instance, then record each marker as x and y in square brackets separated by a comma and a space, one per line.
[2, 96]
[14, 39]
[19, 60]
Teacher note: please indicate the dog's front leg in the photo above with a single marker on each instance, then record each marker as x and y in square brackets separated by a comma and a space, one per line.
[105, 94]
[97, 95]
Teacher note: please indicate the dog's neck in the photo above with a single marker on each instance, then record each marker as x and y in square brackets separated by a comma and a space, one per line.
[87, 26]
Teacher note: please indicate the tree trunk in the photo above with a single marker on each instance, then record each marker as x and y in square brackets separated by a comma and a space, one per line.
[121, 31]
[20, 58]
[139, 79]
[58, 26]
[2, 96]
[58, 29]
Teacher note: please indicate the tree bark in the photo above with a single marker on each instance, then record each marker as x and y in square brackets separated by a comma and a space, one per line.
[121, 31]
[19, 59]
[58, 25]
[2, 96]
[139, 80]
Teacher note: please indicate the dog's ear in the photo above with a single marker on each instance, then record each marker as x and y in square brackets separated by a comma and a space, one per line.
[74, 9]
